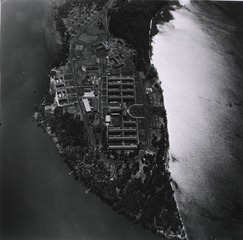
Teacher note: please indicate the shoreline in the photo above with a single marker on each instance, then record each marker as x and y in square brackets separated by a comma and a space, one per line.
[158, 19]
[93, 182]
[193, 158]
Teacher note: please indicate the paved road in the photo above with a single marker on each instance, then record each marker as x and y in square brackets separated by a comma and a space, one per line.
[71, 57]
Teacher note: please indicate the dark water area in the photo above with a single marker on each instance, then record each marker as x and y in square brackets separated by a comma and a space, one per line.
[39, 200]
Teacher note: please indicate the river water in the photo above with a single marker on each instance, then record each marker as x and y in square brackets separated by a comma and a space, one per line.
[39, 200]
[199, 57]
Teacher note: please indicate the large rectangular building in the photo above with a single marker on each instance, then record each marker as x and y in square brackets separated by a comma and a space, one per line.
[123, 147]
[86, 105]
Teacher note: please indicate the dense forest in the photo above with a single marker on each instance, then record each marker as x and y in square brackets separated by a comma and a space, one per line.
[135, 29]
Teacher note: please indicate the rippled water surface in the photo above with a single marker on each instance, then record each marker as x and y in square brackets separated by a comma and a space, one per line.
[199, 59]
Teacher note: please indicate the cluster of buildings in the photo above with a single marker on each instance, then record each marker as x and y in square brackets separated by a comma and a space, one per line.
[79, 18]
[122, 129]
[114, 59]
[102, 46]
[63, 90]
[90, 92]
[98, 92]
[121, 89]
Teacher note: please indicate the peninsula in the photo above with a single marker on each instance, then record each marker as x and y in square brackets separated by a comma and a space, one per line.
[105, 111]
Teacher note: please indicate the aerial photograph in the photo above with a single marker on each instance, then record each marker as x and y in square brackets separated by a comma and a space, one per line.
[121, 120]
